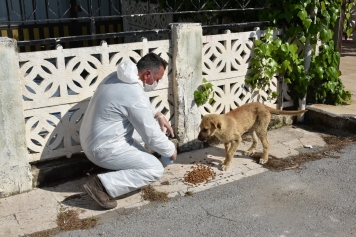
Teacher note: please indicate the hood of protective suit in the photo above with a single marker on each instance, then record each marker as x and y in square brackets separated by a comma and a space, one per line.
[127, 72]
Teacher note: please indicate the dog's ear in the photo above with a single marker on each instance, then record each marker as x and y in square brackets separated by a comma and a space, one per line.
[216, 123]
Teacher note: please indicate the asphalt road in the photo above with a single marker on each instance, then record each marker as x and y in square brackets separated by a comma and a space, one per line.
[316, 200]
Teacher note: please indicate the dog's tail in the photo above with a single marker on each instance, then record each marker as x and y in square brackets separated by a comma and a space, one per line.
[285, 112]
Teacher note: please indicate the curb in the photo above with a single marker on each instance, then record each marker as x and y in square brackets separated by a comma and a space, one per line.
[330, 120]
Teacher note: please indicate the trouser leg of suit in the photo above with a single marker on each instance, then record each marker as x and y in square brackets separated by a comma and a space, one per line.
[136, 168]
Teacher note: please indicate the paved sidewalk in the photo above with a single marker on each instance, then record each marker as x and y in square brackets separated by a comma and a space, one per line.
[37, 210]
[348, 77]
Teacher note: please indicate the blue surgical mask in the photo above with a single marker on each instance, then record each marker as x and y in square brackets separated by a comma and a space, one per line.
[148, 88]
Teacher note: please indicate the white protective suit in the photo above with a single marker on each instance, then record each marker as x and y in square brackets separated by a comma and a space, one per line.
[118, 107]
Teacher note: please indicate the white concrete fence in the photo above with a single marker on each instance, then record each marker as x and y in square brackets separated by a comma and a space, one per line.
[44, 95]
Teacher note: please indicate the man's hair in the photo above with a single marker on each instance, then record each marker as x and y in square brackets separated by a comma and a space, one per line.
[151, 61]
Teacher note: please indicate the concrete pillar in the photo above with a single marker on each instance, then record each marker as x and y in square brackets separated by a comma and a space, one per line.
[15, 173]
[187, 76]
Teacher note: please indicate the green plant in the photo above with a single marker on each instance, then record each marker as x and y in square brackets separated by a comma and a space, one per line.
[308, 21]
[348, 7]
[274, 57]
[203, 93]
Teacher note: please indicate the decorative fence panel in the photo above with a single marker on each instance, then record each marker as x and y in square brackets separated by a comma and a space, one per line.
[226, 59]
[57, 85]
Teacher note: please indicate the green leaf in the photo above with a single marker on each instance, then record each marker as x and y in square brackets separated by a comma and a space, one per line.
[277, 42]
[271, 62]
[332, 73]
[258, 51]
[302, 39]
[326, 35]
[307, 23]
[302, 14]
[285, 65]
[300, 68]
[284, 47]
[331, 86]
[287, 80]
[325, 21]
[323, 6]
[266, 49]
[348, 32]
[298, 6]
[319, 71]
[314, 29]
[258, 42]
[325, 13]
[293, 48]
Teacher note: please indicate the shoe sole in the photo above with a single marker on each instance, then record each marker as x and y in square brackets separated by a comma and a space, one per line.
[94, 197]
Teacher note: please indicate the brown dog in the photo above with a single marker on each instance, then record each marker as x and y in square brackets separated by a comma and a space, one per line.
[228, 128]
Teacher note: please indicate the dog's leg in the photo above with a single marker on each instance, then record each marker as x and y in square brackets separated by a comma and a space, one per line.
[265, 144]
[254, 143]
[230, 149]
[227, 148]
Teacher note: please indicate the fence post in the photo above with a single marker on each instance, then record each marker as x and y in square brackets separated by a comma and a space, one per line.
[187, 76]
[308, 50]
[15, 173]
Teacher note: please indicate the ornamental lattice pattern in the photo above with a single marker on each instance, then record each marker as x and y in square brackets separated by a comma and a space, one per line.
[58, 84]
[226, 60]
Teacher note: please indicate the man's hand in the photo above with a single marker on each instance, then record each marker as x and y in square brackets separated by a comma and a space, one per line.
[174, 156]
[164, 125]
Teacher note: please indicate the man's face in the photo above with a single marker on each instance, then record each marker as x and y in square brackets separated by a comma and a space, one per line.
[150, 78]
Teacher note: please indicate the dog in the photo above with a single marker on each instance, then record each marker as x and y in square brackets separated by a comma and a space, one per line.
[228, 128]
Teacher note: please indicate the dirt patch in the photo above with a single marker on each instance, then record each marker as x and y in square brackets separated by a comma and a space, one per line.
[335, 144]
[46, 233]
[150, 194]
[200, 174]
[68, 220]
[165, 183]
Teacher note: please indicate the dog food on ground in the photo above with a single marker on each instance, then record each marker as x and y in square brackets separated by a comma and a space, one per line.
[199, 174]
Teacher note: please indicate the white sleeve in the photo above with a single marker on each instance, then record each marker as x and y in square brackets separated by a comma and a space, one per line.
[140, 116]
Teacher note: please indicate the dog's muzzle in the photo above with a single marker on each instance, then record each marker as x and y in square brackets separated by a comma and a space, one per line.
[202, 139]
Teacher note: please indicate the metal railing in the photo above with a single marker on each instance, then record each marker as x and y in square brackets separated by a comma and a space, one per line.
[39, 13]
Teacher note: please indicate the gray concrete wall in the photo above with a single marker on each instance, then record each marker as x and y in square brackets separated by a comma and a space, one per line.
[187, 76]
[15, 173]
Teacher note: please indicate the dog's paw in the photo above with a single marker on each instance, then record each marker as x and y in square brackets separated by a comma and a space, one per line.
[248, 153]
[263, 161]
[224, 167]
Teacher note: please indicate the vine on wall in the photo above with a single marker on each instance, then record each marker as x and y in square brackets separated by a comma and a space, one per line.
[309, 21]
